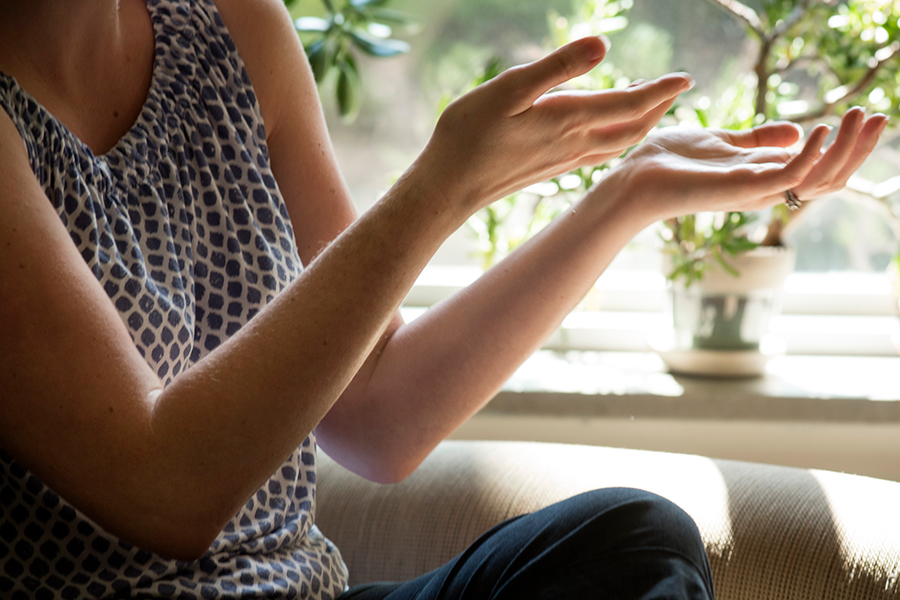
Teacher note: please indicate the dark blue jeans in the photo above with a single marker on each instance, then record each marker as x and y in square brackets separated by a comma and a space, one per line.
[616, 543]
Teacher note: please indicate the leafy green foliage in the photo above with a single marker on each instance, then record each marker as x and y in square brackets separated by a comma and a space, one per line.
[504, 225]
[696, 242]
[815, 59]
[851, 51]
[330, 41]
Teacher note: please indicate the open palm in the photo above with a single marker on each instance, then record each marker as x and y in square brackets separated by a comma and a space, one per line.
[681, 170]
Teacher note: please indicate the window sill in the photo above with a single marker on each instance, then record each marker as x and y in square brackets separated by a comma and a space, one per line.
[821, 389]
[841, 334]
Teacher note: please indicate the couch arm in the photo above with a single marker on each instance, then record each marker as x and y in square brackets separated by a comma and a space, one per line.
[771, 532]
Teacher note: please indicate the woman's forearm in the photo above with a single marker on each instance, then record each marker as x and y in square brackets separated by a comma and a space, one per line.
[435, 372]
[227, 423]
[439, 369]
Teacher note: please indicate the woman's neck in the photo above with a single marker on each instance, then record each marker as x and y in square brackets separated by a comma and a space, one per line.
[59, 41]
[88, 61]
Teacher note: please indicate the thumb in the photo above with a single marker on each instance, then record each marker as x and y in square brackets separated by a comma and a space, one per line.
[526, 83]
[778, 133]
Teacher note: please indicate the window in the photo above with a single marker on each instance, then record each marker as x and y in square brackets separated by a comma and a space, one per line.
[839, 299]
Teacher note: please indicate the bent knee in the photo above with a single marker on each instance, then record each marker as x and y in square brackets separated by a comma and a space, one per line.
[632, 519]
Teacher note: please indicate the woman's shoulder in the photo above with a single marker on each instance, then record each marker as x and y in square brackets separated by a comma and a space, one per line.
[261, 31]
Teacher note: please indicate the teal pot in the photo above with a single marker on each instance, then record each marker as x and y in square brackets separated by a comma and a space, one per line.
[720, 325]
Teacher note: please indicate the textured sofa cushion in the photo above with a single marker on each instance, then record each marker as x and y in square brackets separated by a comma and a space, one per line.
[771, 532]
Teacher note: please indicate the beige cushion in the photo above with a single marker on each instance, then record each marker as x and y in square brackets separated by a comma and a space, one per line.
[771, 532]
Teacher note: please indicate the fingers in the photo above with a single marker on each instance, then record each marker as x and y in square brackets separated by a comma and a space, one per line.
[614, 139]
[768, 134]
[608, 107]
[767, 181]
[799, 167]
[865, 143]
[834, 159]
[524, 84]
[855, 140]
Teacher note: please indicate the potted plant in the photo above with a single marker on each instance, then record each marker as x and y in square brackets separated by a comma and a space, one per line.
[333, 40]
[814, 59]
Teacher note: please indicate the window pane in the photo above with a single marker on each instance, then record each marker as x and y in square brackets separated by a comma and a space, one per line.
[457, 38]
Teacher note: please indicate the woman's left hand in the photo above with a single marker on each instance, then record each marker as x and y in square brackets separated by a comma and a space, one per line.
[681, 170]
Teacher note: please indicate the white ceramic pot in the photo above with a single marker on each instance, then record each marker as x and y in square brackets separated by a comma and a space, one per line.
[720, 325]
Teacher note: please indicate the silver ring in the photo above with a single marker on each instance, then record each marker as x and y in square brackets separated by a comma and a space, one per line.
[791, 200]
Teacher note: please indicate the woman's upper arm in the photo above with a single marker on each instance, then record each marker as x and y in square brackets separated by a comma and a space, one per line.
[302, 158]
[301, 155]
[75, 392]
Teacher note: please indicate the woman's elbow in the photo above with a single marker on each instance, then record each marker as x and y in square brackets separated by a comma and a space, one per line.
[378, 464]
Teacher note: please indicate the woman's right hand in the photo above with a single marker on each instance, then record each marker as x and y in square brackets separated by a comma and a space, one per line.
[509, 132]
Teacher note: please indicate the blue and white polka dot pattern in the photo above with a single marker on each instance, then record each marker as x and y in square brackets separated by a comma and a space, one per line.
[183, 225]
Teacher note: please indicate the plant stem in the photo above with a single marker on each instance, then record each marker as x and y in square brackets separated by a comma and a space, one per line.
[762, 75]
[742, 12]
[856, 90]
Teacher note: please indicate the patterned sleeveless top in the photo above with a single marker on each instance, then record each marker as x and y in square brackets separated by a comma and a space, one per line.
[184, 226]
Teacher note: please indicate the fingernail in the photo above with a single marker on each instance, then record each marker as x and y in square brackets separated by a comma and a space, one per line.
[821, 127]
[606, 41]
[690, 80]
[592, 50]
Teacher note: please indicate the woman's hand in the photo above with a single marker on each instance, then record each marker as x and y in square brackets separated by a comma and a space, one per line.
[509, 133]
[685, 170]
[855, 140]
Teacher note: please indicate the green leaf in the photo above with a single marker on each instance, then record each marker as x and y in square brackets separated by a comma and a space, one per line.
[702, 116]
[317, 54]
[347, 89]
[739, 246]
[493, 68]
[725, 266]
[374, 46]
[329, 6]
[311, 25]
[389, 15]
[361, 4]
